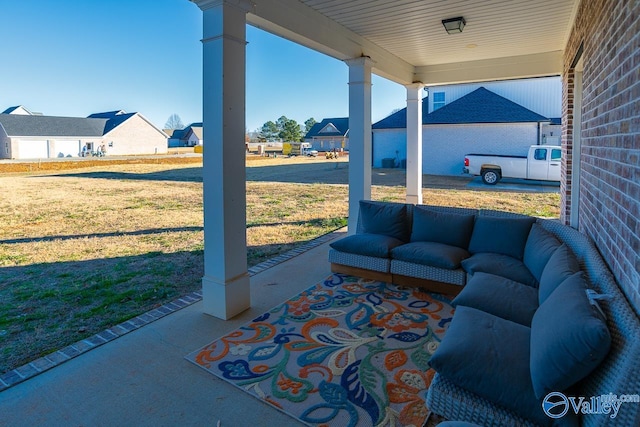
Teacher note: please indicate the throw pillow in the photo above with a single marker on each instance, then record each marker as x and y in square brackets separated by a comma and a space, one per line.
[389, 219]
[569, 338]
[441, 227]
[561, 265]
[541, 244]
[506, 236]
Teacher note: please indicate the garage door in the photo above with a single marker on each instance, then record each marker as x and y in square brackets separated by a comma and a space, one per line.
[66, 149]
[33, 150]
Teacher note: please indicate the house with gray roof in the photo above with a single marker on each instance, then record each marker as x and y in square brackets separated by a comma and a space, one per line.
[28, 136]
[190, 136]
[479, 122]
[329, 134]
[19, 109]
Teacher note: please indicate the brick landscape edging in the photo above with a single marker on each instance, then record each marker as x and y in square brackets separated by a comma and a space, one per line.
[43, 364]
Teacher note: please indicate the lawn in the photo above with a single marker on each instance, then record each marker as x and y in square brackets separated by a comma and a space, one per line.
[82, 250]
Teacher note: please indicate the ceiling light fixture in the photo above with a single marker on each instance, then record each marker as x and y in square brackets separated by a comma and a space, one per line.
[454, 25]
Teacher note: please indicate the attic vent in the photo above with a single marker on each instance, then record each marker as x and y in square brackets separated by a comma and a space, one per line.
[330, 128]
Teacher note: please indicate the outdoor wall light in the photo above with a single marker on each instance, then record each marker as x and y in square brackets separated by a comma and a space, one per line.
[454, 25]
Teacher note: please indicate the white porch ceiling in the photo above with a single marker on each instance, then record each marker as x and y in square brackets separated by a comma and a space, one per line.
[405, 38]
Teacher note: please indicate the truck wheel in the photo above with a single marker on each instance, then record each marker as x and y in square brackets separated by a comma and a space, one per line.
[490, 177]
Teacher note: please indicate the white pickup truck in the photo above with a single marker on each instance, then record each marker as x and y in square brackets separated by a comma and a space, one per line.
[542, 163]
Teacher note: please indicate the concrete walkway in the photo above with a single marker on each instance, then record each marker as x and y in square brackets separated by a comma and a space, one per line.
[143, 379]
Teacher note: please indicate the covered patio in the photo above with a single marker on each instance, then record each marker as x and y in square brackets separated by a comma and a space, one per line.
[592, 45]
[142, 377]
[405, 42]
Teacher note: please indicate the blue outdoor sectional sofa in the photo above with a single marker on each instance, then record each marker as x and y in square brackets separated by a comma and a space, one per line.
[539, 322]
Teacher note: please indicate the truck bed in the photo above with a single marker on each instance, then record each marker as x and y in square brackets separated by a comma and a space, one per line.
[496, 155]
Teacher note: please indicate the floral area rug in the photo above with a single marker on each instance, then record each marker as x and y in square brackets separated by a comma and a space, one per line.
[345, 352]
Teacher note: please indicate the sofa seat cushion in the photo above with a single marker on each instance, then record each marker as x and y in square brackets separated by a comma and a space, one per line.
[430, 253]
[499, 296]
[500, 235]
[374, 245]
[541, 244]
[441, 227]
[500, 265]
[569, 337]
[489, 356]
[389, 219]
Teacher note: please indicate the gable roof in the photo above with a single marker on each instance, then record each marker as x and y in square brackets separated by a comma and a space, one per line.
[98, 124]
[479, 106]
[116, 120]
[196, 130]
[24, 125]
[106, 114]
[338, 126]
[18, 109]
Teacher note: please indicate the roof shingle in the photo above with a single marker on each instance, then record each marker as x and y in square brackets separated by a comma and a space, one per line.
[479, 106]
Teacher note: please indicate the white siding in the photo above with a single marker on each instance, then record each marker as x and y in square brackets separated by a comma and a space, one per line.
[385, 144]
[135, 136]
[444, 146]
[5, 145]
[542, 95]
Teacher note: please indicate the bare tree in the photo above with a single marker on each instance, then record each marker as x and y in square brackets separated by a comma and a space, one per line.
[174, 122]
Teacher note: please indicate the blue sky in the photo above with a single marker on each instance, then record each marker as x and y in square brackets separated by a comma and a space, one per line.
[74, 58]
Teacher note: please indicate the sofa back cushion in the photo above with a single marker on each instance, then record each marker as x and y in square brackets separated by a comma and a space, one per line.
[389, 219]
[561, 265]
[569, 338]
[441, 227]
[540, 246]
[506, 236]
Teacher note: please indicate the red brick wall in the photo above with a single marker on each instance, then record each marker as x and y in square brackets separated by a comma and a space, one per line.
[609, 207]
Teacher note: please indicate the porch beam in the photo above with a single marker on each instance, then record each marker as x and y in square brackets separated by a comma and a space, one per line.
[514, 67]
[291, 20]
[359, 136]
[225, 285]
[414, 143]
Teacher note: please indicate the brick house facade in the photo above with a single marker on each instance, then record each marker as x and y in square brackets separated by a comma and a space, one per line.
[601, 134]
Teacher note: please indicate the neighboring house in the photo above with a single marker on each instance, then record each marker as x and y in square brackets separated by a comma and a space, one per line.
[19, 109]
[175, 137]
[542, 95]
[329, 134]
[25, 136]
[190, 136]
[193, 136]
[479, 122]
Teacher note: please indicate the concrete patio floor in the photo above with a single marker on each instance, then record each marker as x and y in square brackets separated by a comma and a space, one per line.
[143, 379]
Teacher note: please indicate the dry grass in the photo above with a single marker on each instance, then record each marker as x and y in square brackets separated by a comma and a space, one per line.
[85, 249]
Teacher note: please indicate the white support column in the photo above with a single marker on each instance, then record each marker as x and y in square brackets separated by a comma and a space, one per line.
[359, 136]
[225, 285]
[414, 143]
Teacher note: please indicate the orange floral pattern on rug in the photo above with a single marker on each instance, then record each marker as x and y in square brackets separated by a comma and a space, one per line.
[348, 352]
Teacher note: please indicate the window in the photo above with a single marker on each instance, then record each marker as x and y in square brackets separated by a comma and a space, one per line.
[556, 154]
[540, 154]
[438, 100]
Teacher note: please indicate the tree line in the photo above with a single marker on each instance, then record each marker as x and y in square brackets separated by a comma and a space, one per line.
[285, 129]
